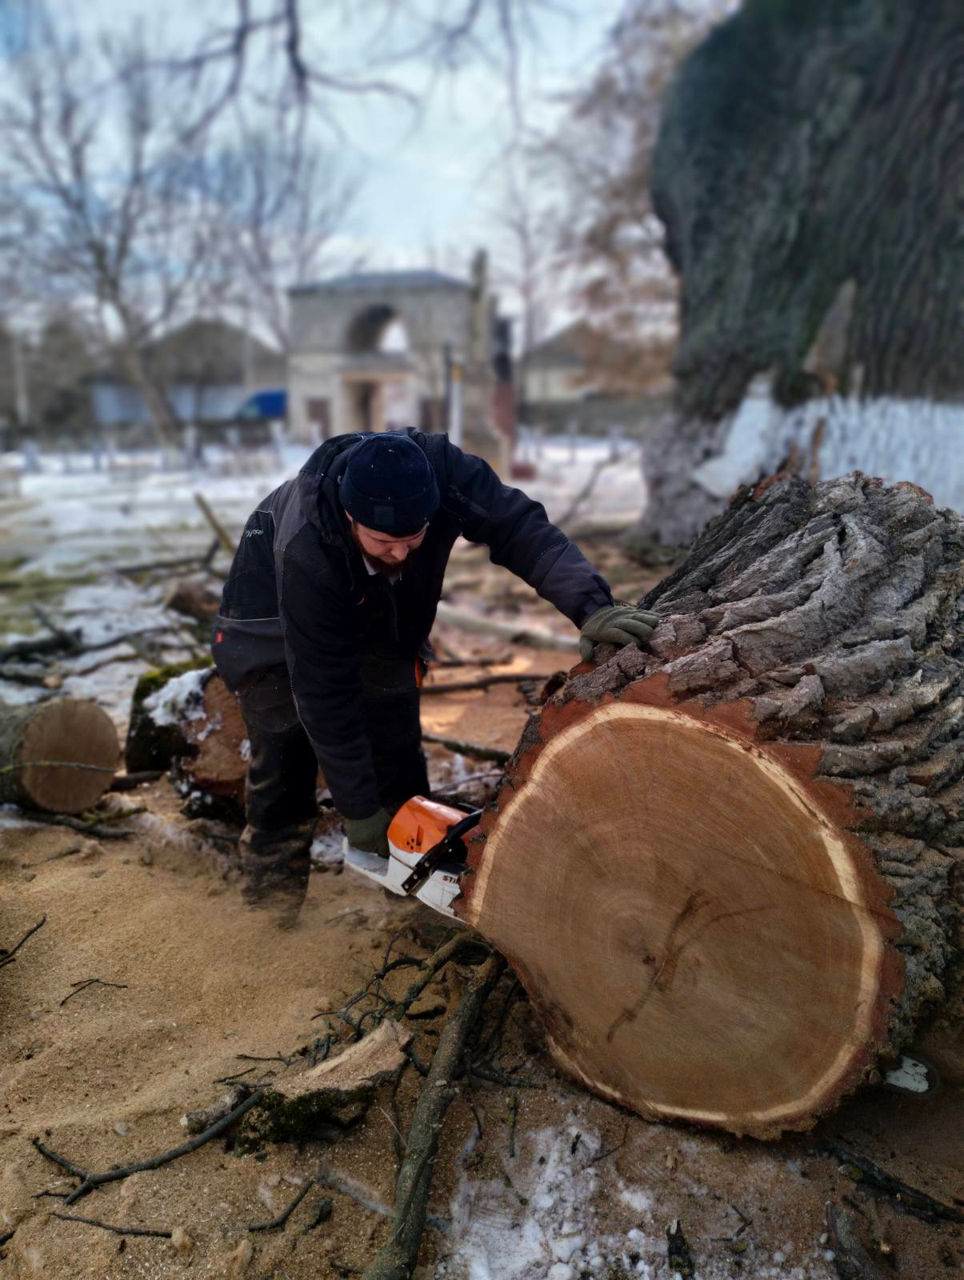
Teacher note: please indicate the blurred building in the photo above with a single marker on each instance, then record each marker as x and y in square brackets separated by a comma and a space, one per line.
[583, 378]
[556, 371]
[420, 348]
[207, 369]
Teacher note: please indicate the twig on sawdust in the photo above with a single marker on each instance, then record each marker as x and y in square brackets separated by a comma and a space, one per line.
[97, 828]
[7, 957]
[851, 1259]
[483, 682]
[84, 983]
[397, 1259]
[473, 749]
[512, 1109]
[128, 781]
[89, 1181]
[386, 1006]
[605, 1152]
[52, 857]
[870, 1176]
[107, 1226]
[277, 1223]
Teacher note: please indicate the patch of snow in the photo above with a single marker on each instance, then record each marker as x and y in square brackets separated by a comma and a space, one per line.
[14, 694]
[910, 1074]
[554, 1213]
[182, 698]
[638, 1200]
[12, 819]
[328, 849]
[215, 722]
[110, 687]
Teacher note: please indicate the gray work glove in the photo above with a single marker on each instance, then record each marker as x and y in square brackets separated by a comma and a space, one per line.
[370, 834]
[616, 624]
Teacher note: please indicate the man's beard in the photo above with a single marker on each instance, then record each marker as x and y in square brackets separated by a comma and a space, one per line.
[389, 567]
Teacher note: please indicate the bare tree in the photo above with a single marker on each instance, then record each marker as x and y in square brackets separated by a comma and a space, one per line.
[603, 154]
[526, 254]
[280, 200]
[114, 206]
[271, 43]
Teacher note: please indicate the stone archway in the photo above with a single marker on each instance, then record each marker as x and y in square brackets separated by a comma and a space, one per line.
[376, 381]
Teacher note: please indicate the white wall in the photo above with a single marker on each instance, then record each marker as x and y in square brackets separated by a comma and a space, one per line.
[916, 440]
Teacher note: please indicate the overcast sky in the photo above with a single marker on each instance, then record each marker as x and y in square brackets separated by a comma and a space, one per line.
[431, 183]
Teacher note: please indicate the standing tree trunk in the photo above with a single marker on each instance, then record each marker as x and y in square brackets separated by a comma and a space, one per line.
[723, 869]
[59, 755]
[808, 173]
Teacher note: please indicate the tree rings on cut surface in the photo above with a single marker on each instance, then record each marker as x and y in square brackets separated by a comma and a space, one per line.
[698, 929]
[59, 755]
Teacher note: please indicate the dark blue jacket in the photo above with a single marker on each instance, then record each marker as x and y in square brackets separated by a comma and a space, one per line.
[299, 593]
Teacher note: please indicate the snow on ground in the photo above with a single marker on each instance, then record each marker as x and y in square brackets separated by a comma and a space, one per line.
[76, 519]
[107, 611]
[551, 1218]
[72, 517]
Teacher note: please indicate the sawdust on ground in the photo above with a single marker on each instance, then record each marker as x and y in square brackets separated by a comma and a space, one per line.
[103, 1073]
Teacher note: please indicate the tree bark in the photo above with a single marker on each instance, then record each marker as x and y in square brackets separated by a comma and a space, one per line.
[807, 172]
[723, 869]
[59, 755]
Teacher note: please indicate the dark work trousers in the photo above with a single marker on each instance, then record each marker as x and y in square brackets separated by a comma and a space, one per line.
[280, 801]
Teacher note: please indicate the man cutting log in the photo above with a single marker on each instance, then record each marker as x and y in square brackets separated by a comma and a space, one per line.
[324, 625]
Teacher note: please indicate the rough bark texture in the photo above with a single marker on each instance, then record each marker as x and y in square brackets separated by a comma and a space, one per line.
[59, 755]
[808, 174]
[815, 633]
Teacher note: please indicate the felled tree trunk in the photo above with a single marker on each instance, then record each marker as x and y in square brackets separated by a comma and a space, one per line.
[59, 755]
[723, 869]
[802, 177]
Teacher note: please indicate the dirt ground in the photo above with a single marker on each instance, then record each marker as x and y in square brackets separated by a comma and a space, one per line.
[535, 1178]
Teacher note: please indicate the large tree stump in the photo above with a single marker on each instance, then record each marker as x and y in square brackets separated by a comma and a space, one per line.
[723, 869]
[59, 755]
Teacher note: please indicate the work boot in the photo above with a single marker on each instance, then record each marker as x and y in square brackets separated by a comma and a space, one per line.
[274, 870]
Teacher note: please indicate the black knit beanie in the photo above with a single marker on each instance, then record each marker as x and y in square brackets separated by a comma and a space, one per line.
[389, 485]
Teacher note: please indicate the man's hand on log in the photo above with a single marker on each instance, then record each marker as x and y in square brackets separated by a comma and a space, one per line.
[618, 624]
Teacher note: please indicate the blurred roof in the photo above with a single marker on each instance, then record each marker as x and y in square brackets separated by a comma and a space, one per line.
[383, 282]
[567, 349]
[211, 352]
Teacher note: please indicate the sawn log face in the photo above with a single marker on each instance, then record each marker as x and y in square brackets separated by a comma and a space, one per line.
[710, 864]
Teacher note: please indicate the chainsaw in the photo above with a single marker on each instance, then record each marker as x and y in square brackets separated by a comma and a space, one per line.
[426, 842]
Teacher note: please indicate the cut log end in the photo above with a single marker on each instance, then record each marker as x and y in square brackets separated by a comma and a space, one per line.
[59, 756]
[736, 972]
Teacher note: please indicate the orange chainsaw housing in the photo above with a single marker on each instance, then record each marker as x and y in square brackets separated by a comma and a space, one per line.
[420, 824]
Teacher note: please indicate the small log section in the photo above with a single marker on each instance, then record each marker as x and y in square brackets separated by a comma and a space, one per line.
[59, 755]
[723, 869]
[204, 738]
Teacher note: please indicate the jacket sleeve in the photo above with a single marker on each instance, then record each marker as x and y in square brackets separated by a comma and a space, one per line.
[322, 649]
[521, 537]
